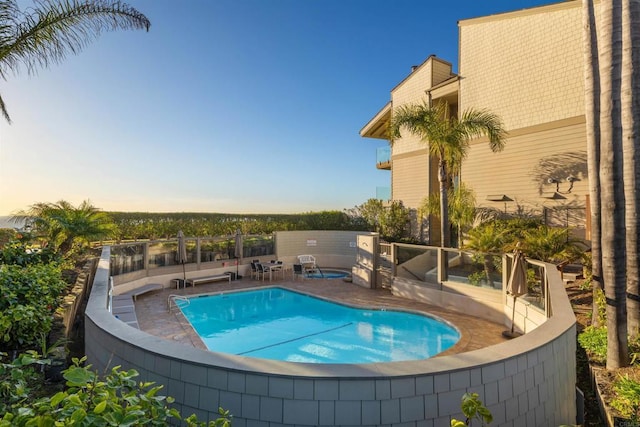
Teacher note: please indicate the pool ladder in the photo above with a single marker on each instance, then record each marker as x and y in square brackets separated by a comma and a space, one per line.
[315, 269]
[172, 299]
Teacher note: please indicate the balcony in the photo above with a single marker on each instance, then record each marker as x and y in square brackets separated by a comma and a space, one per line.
[383, 158]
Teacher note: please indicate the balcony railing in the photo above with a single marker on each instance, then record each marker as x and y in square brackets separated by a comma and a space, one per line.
[383, 157]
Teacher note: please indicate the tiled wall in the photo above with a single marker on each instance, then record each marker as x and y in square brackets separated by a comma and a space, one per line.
[525, 382]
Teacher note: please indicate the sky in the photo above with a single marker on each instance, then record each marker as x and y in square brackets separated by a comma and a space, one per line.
[227, 106]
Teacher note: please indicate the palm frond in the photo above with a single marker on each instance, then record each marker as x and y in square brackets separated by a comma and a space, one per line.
[475, 123]
[52, 30]
[3, 110]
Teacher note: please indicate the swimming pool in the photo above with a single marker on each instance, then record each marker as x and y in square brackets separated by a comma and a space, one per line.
[278, 324]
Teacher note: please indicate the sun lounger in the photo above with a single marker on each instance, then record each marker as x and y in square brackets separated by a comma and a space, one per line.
[142, 290]
[123, 308]
[207, 279]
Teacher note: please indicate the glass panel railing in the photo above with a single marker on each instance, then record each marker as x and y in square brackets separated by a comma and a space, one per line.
[216, 249]
[383, 154]
[417, 263]
[476, 269]
[536, 286]
[162, 254]
[383, 193]
[385, 256]
[257, 246]
[126, 258]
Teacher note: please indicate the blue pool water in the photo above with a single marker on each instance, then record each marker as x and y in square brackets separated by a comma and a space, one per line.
[326, 274]
[283, 325]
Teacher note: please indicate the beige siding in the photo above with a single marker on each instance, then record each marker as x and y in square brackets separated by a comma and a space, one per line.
[410, 180]
[441, 72]
[529, 159]
[412, 91]
[526, 66]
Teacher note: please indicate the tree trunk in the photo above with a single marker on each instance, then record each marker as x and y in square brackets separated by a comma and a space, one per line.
[488, 267]
[592, 117]
[611, 185]
[631, 148]
[445, 235]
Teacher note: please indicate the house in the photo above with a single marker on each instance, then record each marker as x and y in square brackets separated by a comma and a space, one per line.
[527, 67]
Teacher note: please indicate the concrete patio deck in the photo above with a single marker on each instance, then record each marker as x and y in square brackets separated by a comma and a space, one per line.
[155, 319]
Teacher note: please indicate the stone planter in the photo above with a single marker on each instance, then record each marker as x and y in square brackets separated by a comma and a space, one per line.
[610, 417]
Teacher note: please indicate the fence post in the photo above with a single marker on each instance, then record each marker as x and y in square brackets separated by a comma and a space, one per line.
[198, 253]
[145, 251]
[442, 266]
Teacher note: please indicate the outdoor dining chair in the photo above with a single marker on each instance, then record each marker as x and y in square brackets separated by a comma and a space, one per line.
[298, 271]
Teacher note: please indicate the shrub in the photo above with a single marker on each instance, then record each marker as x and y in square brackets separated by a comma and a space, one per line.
[472, 408]
[627, 400]
[28, 298]
[88, 400]
[19, 253]
[594, 341]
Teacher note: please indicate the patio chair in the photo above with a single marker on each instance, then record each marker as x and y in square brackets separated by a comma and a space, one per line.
[298, 270]
[262, 270]
[254, 270]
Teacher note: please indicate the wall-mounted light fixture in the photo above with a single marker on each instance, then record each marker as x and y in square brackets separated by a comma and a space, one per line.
[500, 198]
[570, 179]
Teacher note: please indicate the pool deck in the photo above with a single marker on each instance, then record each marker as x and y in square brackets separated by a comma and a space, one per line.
[155, 319]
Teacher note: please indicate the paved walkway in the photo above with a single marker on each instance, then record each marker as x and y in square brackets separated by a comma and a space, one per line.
[154, 317]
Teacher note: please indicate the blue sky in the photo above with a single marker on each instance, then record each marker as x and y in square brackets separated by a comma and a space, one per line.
[236, 106]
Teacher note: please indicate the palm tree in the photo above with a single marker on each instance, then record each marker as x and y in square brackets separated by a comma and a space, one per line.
[487, 241]
[46, 33]
[612, 195]
[548, 244]
[631, 149]
[448, 140]
[592, 117]
[63, 225]
[462, 208]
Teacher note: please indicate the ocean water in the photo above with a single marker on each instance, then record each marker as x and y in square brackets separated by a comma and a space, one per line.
[5, 222]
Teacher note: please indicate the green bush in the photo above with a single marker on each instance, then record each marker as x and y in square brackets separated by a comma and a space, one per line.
[19, 380]
[17, 252]
[594, 341]
[627, 400]
[116, 400]
[473, 409]
[28, 298]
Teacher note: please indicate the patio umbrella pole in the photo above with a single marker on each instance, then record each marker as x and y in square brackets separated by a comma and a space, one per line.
[512, 333]
[517, 286]
[513, 315]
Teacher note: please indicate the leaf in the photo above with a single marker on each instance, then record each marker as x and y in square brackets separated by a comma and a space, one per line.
[75, 400]
[57, 398]
[78, 376]
[78, 415]
[100, 407]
